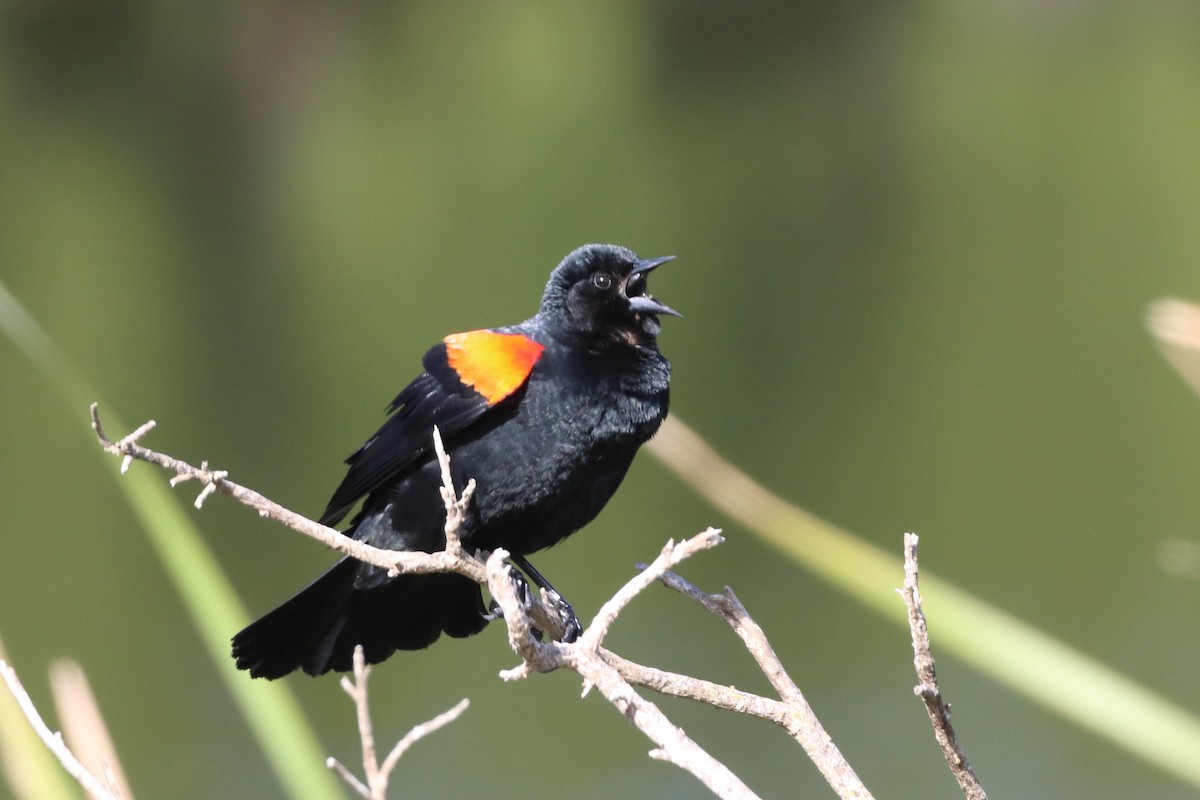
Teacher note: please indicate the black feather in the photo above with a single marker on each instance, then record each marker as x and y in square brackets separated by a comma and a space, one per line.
[546, 457]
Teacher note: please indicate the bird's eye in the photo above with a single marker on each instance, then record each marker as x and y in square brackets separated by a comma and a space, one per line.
[602, 281]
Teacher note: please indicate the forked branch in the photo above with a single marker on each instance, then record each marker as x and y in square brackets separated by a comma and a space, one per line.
[612, 676]
[377, 775]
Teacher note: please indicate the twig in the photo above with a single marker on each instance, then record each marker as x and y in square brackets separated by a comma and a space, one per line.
[456, 507]
[396, 562]
[419, 732]
[536, 656]
[91, 784]
[927, 687]
[672, 744]
[218, 481]
[687, 687]
[671, 555]
[349, 777]
[610, 675]
[801, 721]
[377, 774]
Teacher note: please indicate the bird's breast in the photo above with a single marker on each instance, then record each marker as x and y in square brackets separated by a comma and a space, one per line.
[557, 458]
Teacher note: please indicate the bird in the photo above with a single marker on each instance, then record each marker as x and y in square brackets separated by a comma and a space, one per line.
[546, 416]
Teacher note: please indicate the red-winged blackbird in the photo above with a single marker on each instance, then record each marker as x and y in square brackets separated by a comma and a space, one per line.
[546, 417]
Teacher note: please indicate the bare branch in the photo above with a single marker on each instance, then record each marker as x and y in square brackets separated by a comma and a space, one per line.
[397, 562]
[349, 777]
[378, 775]
[583, 657]
[800, 721]
[456, 507]
[400, 562]
[671, 555]
[672, 743]
[419, 732]
[357, 689]
[612, 676]
[91, 784]
[535, 656]
[927, 687]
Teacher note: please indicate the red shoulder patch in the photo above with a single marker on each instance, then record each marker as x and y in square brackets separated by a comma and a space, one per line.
[493, 364]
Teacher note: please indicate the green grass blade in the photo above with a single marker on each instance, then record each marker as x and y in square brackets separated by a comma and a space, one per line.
[1013, 652]
[270, 709]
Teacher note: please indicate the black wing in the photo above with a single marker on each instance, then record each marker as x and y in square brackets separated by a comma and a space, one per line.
[437, 397]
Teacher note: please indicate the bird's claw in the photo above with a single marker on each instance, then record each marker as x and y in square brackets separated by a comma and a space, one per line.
[524, 597]
[572, 627]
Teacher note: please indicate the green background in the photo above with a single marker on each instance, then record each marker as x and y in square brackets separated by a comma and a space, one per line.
[915, 244]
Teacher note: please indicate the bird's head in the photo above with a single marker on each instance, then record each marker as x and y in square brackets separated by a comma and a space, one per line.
[598, 292]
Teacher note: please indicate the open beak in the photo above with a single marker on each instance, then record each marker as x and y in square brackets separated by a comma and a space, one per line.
[644, 303]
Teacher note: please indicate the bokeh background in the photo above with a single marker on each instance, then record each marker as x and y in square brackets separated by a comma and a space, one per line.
[915, 244]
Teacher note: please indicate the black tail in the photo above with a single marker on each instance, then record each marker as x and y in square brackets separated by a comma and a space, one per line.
[318, 629]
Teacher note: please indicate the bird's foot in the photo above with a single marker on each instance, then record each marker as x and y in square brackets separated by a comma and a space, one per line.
[524, 597]
[570, 622]
[572, 628]
[566, 614]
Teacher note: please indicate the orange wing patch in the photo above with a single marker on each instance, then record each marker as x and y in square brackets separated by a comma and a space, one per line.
[493, 364]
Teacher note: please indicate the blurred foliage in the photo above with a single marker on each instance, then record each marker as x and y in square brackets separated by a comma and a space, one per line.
[915, 244]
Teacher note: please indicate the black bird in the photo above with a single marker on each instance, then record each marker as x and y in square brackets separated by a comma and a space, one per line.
[546, 416]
